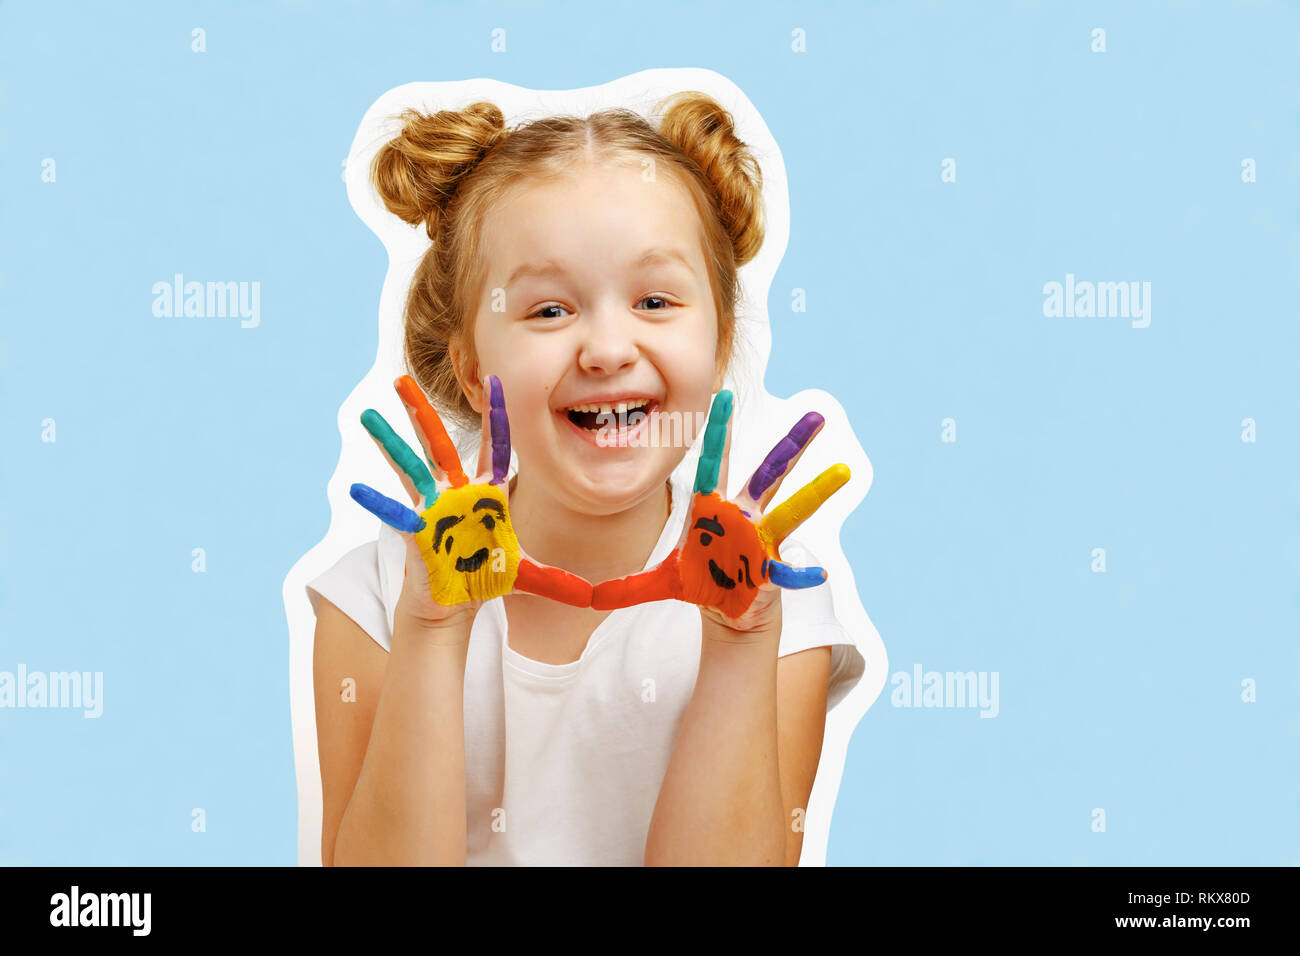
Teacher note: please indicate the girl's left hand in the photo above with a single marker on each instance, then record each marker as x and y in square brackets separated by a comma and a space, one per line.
[728, 558]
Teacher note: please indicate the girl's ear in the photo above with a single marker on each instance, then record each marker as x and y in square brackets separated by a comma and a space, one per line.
[467, 375]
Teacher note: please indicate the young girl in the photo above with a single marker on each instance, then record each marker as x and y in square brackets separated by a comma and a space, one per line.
[586, 263]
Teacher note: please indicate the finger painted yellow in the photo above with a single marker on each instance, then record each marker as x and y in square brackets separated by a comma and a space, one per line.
[799, 507]
[468, 545]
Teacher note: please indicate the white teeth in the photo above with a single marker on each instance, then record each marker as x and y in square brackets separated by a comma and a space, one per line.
[619, 408]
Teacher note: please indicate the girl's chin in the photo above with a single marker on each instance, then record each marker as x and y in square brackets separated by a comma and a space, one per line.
[610, 488]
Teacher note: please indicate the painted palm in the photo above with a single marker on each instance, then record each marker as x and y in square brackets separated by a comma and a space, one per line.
[463, 528]
[729, 551]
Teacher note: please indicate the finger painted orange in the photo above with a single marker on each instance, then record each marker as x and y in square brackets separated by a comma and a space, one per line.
[553, 583]
[660, 583]
[440, 444]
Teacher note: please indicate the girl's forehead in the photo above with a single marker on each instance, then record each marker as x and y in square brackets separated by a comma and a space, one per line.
[608, 208]
[594, 187]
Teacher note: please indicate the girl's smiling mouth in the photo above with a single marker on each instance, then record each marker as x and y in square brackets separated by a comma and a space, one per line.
[609, 422]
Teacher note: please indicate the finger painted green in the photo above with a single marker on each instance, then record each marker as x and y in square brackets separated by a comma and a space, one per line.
[715, 442]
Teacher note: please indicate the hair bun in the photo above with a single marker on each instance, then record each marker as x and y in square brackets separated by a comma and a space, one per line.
[417, 173]
[701, 128]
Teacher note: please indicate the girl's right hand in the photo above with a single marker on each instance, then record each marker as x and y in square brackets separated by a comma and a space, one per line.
[417, 607]
[461, 548]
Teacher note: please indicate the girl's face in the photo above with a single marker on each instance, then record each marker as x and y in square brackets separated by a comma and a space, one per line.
[596, 294]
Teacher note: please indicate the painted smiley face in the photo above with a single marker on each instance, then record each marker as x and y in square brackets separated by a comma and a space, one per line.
[723, 560]
[468, 545]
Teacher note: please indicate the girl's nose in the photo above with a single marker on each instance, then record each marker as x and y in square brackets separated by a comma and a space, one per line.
[608, 342]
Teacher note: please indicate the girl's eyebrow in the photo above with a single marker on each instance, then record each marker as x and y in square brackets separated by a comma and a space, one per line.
[547, 267]
[544, 268]
[663, 255]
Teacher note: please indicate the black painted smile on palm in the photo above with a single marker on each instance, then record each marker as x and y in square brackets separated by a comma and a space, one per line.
[713, 528]
[723, 580]
[720, 577]
[473, 562]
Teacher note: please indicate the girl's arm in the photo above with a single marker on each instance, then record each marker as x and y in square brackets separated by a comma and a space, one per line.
[745, 756]
[392, 761]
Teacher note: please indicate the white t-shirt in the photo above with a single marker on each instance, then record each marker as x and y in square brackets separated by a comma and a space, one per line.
[564, 761]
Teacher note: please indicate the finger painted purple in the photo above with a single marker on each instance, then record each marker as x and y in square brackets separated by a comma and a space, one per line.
[500, 425]
[778, 459]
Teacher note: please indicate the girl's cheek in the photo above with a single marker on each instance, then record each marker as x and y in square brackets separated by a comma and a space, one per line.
[499, 354]
[694, 364]
[697, 344]
[528, 380]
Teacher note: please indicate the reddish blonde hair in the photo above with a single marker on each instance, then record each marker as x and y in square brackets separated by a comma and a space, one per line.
[447, 169]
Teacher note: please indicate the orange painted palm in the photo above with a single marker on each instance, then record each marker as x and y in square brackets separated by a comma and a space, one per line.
[729, 551]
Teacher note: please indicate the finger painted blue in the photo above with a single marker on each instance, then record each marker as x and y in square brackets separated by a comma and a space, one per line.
[778, 459]
[390, 512]
[715, 440]
[784, 576]
[401, 453]
[500, 430]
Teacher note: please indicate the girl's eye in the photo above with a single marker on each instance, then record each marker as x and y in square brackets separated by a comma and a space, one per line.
[664, 303]
[547, 308]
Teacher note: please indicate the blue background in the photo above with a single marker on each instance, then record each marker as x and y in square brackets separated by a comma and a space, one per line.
[1119, 690]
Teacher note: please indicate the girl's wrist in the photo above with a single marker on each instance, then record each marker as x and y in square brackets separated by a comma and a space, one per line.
[450, 631]
[738, 662]
[716, 632]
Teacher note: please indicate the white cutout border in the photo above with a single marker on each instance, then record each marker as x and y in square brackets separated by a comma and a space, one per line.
[760, 418]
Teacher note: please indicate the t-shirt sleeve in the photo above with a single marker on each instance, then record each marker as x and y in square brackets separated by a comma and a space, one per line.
[352, 585]
[808, 620]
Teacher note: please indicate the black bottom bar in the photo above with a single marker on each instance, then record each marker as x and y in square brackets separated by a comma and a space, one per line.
[1172, 904]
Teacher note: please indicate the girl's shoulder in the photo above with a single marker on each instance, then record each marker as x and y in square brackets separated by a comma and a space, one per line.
[354, 584]
[809, 619]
